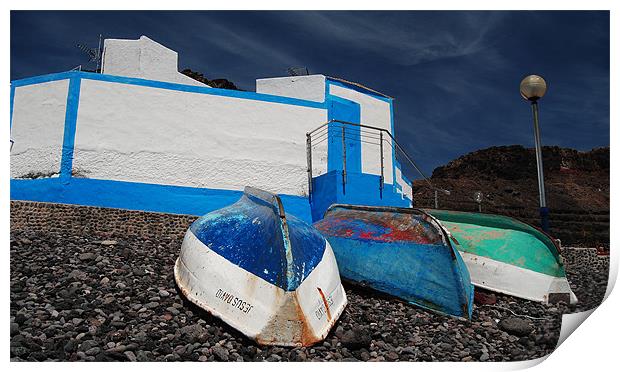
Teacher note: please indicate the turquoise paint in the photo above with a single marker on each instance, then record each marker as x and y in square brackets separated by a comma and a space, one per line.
[421, 274]
[503, 239]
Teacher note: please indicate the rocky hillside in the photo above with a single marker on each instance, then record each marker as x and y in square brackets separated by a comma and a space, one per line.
[214, 83]
[577, 187]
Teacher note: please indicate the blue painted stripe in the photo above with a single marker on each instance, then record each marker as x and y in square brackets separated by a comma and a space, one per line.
[44, 78]
[170, 86]
[139, 196]
[73, 100]
[202, 90]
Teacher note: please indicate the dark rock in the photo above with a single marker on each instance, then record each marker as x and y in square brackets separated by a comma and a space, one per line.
[355, 339]
[70, 346]
[87, 256]
[93, 351]
[220, 352]
[108, 320]
[195, 332]
[130, 356]
[516, 326]
[14, 329]
[484, 298]
[88, 344]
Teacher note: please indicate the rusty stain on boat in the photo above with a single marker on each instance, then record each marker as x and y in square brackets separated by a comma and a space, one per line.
[329, 315]
[257, 268]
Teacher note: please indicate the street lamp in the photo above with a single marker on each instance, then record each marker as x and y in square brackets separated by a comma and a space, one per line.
[533, 88]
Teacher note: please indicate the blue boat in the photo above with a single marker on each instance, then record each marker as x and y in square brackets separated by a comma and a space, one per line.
[401, 251]
[265, 272]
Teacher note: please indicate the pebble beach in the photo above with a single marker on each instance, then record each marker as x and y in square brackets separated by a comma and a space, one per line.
[78, 297]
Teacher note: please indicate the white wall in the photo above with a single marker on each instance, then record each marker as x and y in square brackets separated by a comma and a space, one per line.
[143, 58]
[374, 112]
[142, 134]
[37, 128]
[311, 87]
[406, 187]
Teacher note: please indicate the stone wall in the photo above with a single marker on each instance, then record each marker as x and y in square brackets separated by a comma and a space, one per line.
[585, 257]
[105, 223]
[109, 223]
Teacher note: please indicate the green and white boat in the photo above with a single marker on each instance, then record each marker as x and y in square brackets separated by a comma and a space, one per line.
[508, 256]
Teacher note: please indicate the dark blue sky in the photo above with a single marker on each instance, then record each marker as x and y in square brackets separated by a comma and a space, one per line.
[455, 75]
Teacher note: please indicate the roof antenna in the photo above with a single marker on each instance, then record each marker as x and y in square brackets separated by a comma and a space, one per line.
[94, 54]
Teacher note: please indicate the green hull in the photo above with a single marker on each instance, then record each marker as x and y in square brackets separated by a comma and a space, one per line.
[508, 255]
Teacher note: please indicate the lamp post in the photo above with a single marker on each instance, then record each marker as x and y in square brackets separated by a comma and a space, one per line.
[532, 88]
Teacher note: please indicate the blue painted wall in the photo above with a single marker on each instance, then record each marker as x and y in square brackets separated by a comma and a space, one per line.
[343, 109]
[359, 189]
[139, 196]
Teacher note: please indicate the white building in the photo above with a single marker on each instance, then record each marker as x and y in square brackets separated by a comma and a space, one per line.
[143, 136]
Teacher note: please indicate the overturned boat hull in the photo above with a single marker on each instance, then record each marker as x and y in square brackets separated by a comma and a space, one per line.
[400, 251]
[266, 273]
[508, 256]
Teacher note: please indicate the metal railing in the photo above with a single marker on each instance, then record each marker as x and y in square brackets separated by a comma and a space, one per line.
[364, 134]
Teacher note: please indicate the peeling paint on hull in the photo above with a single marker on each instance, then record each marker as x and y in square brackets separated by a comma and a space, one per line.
[267, 274]
[402, 252]
[508, 256]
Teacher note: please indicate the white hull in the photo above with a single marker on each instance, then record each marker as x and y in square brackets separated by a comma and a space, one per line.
[257, 308]
[515, 281]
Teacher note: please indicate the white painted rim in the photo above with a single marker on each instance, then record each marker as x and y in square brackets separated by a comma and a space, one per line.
[513, 280]
[260, 310]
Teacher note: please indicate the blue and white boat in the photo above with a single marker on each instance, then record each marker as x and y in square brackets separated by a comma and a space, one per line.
[401, 251]
[263, 271]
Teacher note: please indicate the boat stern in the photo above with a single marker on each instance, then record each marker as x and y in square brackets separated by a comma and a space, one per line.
[266, 273]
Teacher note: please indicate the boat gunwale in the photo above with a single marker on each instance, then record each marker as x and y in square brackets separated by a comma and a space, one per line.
[558, 249]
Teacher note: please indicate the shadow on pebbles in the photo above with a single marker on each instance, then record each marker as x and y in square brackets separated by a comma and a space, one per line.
[76, 298]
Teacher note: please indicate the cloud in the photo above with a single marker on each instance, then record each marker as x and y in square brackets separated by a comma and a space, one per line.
[403, 39]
